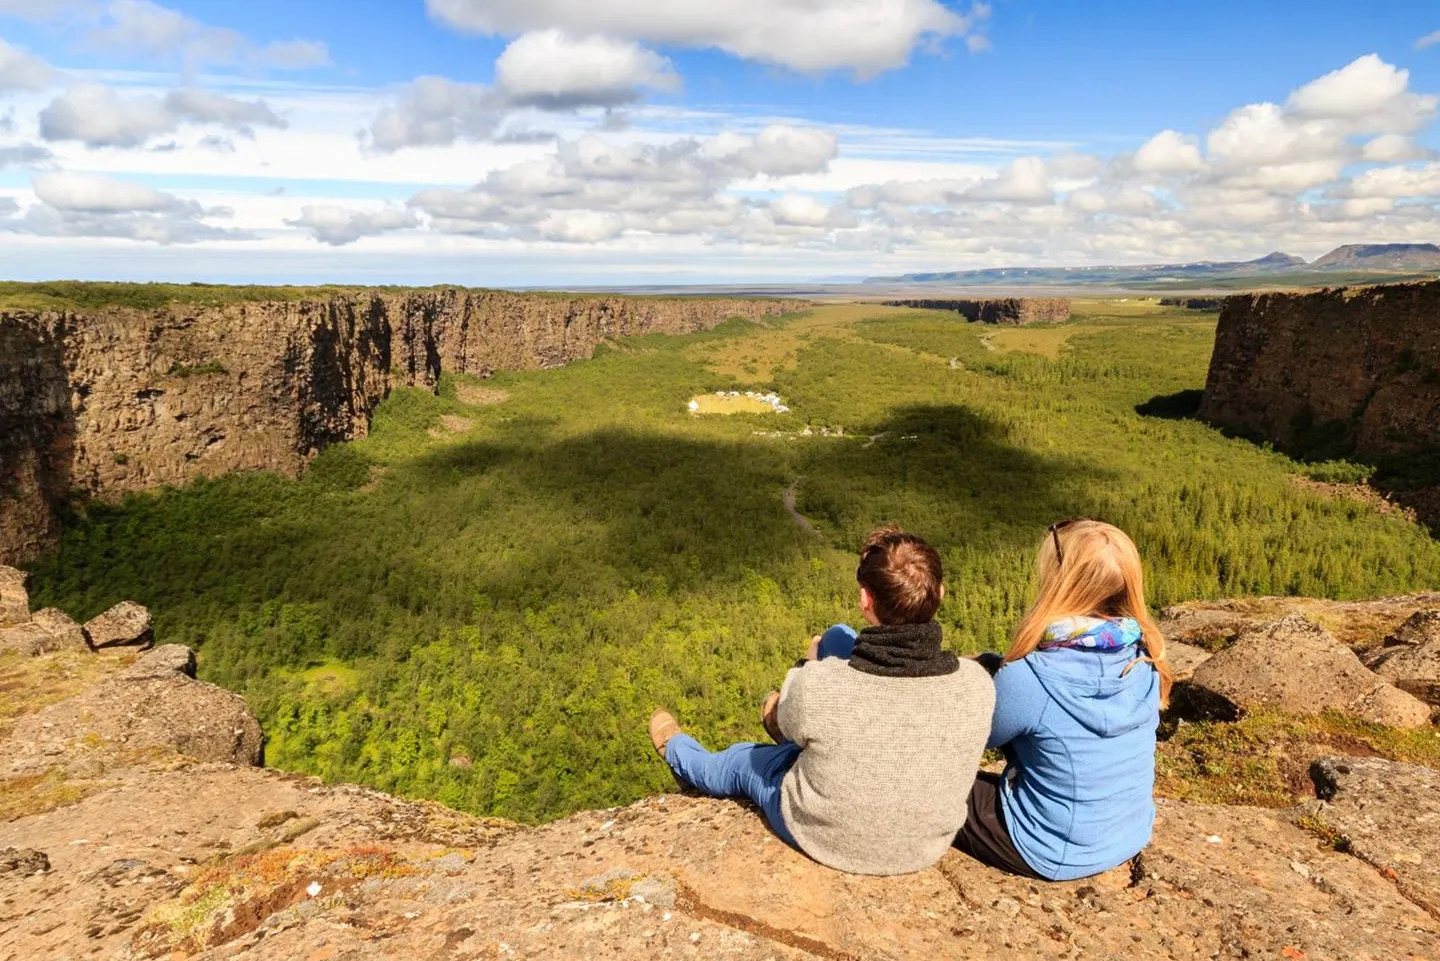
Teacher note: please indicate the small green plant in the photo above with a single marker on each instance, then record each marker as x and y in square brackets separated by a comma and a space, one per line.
[1339, 472]
[121, 459]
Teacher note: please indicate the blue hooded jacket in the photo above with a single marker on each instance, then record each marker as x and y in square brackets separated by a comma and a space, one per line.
[1079, 732]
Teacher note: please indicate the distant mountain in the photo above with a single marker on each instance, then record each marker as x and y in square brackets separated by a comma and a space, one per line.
[1400, 257]
[1355, 261]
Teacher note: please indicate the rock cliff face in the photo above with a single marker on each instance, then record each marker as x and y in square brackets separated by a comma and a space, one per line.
[1335, 373]
[1009, 310]
[115, 400]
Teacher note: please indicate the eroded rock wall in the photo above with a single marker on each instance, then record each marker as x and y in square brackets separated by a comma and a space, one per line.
[100, 403]
[1333, 373]
[1005, 310]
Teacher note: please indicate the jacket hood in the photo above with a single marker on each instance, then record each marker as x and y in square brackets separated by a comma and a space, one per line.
[1093, 687]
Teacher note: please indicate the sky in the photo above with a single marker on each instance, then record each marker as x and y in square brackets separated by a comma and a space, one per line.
[520, 143]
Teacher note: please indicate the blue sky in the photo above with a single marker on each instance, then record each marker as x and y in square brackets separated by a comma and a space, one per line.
[553, 141]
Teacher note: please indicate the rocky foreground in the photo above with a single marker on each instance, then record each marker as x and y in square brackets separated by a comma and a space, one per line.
[135, 824]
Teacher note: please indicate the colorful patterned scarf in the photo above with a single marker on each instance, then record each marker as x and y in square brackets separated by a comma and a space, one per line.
[1092, 633]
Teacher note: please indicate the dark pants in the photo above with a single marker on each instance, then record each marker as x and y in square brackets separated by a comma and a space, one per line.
[984, 836]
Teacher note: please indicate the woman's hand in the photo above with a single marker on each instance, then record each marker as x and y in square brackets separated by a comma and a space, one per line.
[813, 653]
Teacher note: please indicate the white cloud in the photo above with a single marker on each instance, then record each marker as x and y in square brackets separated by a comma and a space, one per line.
[1023, 181]
[337, 226]
[1369, 95]
[1169, 152]
[552, 70]
[805, 35]
[1392, 148]
[88, 205]
[94, 194]
[1429, 40]
[1397, 182]
[592, 189]
[144, 27]
[23, 155]
[8, 207]
[799, 210]
[22, 71]
[434, 111]
[95, 115]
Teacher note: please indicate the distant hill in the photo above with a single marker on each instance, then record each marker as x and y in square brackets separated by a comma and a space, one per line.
[1349, 264]
[1398, 257]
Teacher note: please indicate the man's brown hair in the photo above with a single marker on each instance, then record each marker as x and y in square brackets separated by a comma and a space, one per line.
[902, 574]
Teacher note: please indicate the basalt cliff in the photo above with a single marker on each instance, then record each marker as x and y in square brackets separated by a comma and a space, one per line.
[1009, 311]
[134, 823]
[1336, 373]
[97, 403]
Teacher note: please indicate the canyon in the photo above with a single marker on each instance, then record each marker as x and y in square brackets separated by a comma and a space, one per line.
[100, 402]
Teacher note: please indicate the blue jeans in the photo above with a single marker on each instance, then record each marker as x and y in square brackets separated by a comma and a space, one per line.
[838, 641]
[753, 771]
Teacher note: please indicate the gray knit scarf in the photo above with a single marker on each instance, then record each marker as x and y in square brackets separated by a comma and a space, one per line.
[903, 650]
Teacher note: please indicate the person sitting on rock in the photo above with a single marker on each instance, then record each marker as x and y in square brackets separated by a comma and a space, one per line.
[881, 732]
[1078, 698]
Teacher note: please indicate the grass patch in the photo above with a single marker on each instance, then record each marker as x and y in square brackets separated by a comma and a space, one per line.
[31, 794]
[1264, 759]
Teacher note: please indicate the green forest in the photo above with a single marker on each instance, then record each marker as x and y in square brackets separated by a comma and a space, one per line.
[482, 601]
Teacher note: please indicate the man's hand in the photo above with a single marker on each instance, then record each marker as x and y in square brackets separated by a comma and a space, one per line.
[769, 716]
[813, 654]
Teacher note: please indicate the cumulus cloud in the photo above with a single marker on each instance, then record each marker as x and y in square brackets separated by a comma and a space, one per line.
[1392, 148]
[552, 70]
[1370, 94]
[1168, 152]
[338, 226]
[593, 190]
[96, 116]
[22, 71]
[88, 205]
[166, 34]
[434, 111]
[23, 155]
[806, 35]
[547, 69]
[1397, 182]
[8, 207]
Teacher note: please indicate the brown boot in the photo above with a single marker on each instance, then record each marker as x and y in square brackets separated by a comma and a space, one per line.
[662, 728]
[769, 717]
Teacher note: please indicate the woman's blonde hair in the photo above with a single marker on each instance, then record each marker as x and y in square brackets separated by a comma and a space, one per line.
[1087, 568]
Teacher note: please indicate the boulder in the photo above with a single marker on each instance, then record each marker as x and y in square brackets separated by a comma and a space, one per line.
[1296, 666]
[164, 661]
[1185, 658]
[65, 634]
[1415, 670]
[26, 639]
[1386, 813]
[154, 703]
[127, 624]
[14, 599]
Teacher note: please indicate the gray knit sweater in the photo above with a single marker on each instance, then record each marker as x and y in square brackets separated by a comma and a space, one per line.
[887, 765]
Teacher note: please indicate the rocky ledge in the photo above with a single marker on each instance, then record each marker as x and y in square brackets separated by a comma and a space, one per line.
[135, 824]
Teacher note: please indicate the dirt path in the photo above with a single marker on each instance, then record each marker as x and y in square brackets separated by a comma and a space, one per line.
[801, 519]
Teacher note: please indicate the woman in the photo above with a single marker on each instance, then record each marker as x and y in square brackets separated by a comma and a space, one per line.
[1077, 702]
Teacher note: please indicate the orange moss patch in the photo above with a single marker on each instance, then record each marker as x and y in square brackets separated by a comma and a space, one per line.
[235, 896]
